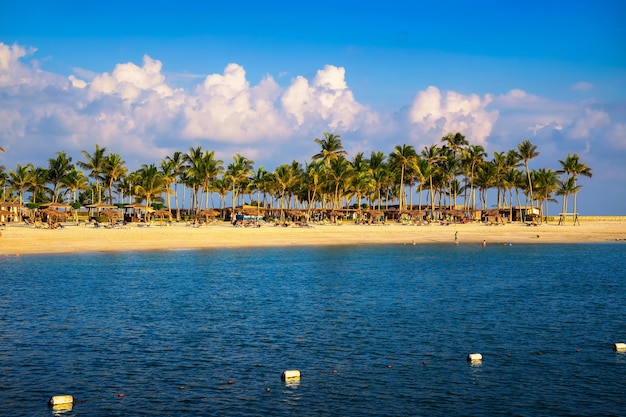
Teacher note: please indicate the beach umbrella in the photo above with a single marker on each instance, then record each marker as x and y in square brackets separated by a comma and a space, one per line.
[110, 213]
[206, 213]
[162, 213]
[55, 205]
[54, 214]
[100, 206]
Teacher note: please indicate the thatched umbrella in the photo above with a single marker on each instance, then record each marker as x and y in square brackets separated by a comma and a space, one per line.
[110, 213]
[162, 213]
[373, 214]
[100, 206]
[54, 214]
[208, 213]
[55, 205]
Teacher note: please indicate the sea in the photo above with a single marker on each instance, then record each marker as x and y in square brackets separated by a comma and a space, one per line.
[379, 330]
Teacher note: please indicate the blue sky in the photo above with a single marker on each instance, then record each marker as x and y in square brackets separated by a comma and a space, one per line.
[265, 78]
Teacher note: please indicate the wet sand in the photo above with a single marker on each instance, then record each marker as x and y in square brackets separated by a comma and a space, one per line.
[22, 239]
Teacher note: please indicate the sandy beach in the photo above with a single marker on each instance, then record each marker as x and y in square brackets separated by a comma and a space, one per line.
[22, 239]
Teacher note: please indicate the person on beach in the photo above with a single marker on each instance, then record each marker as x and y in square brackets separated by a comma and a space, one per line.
[456, 237]
[484, 243]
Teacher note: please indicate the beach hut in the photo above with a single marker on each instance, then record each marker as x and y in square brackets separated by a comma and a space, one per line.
[14, 208]
[5, 215]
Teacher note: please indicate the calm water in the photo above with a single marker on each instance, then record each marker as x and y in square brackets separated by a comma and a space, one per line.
[170, 329]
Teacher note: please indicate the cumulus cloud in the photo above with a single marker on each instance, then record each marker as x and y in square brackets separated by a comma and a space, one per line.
[326, 98]
[434, 114]
[586, 122]
[133, 109]
[225, 108]
[582, 86]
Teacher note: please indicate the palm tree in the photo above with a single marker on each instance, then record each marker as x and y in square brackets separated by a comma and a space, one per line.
[212, 169]
[257, 183]
[18, 180]
[380, 173]
[150, 184]
[338, 172]
[73, 181]
[37, 182]
[565, 188]
[572, 167]
[332, 149]
[546, 183]
[178, 160]
[94, 163]
[112, 170]
[472, 157]
[528, 151]
[402, 157]
[313, 176]
[455, 142]
[285, 178]
[486, 177]
[57, 169]
[239, 170]
[194, 173]
[4, 176]
[432, 156]
[167, 170]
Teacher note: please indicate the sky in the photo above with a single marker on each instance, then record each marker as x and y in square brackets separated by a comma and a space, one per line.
[263, 79]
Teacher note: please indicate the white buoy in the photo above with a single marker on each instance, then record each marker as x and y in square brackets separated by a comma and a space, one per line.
[291, 374]
[61, 402]
[474, 357]
[619, 347]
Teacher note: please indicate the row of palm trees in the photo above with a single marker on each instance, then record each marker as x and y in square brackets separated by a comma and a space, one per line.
[445, 172]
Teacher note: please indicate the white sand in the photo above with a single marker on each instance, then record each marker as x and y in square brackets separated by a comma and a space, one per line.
[18, 240]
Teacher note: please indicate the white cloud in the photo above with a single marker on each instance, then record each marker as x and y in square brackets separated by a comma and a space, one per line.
[76, 82]
[435, 114]
[133, 110]
[586, 122]
[326, 99]
[582, 86]
[12, 71]
[129, 81]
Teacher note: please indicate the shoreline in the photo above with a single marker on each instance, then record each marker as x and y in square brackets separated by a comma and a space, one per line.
[19, 240]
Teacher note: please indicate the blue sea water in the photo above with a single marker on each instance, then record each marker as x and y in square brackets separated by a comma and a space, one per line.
[374, 330]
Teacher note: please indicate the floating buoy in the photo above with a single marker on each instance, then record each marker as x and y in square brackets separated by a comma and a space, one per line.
[120, 395]
[474, 357]
[58, 402]
[291, 374]
[619, 347]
